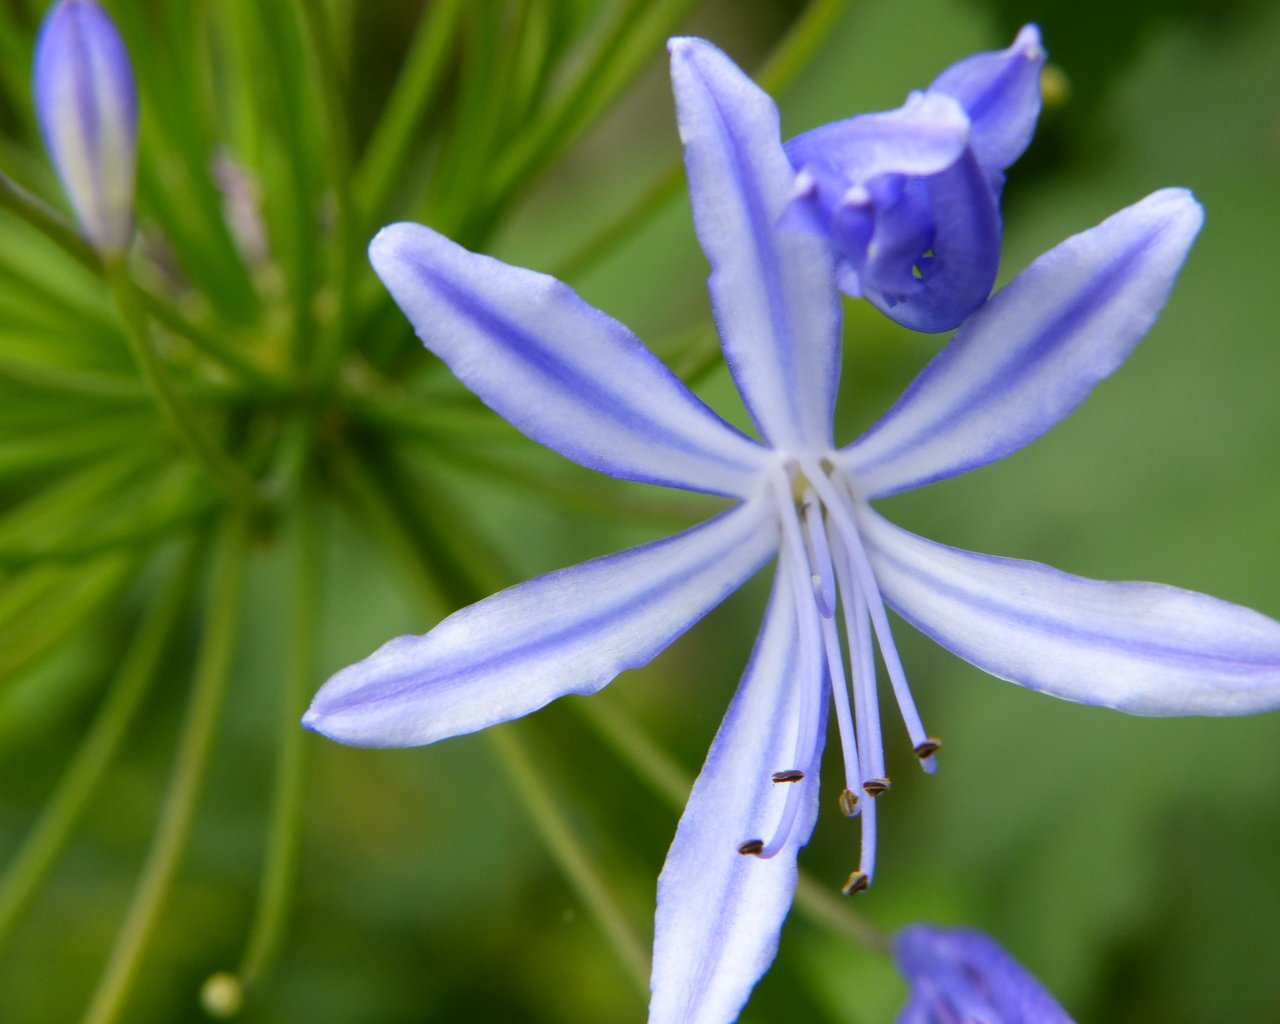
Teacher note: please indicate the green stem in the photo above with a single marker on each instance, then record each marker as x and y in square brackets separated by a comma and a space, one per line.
[330, 90]
[213, 670]
[565, 848]
[49, 222]
[48, 838]
[569, 853]
[280, 869]
[779, 70]
[415, 89]
[54, 226]
[175, 411]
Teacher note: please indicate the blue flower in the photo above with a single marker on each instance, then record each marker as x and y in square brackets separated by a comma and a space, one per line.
[87, 105]
[910, 198]
[572, 378]
[960, 976]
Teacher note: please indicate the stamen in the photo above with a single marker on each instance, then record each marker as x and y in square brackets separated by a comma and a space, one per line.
[790, 775]
[752, 848]
[862, 656]
[866, 580]
[848, 803]
[856, 882]
[823, 578]
[928, 748]
[875, 787]
[808, 741]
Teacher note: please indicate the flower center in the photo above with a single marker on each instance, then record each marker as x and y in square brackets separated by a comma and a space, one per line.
[834, 587]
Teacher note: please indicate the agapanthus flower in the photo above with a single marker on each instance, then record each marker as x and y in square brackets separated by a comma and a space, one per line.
[961, 976]
[87, 105]
[574, 379]
[910, 198]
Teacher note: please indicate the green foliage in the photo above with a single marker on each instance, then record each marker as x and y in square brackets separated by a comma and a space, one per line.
[233, 470]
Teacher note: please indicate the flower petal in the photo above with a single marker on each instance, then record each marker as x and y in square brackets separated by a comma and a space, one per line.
[570, 631]
[936, 293]
[925, 135]
[558, 369]
[958, 974]
[1033, 352]
[772, 289]
[1000, 91]
[719, 911]
[1144, 648]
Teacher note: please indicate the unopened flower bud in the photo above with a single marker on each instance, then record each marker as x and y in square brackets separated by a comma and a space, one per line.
[87, 104]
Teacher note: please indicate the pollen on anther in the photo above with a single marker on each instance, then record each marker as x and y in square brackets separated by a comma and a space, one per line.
[875, 787]
[752, 848]
[928, 748]
[856, 882]
[790, 775]
[848, 803]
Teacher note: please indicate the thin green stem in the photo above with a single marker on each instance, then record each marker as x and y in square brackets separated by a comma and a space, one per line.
[49, 836]
[415, 89]
[569, 853]
[54, 226]
[213, 670]
[613, 60]
[275, 897]
[565, 848]
[779, 70]
[330, 89]
[176, 413]
[48, 221]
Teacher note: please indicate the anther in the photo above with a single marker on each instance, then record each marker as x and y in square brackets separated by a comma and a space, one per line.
[856, 882]
[928, 748]
[848, 803]
[790, 775]
[752, 848]
[875, 787]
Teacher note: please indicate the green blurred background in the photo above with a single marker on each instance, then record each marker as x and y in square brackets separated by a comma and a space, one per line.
[1130, 863]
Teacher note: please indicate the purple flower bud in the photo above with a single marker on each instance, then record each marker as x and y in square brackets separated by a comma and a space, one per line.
[960, 975]
[909, 198]
[88, 109]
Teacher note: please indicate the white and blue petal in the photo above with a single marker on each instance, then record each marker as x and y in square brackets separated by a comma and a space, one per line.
[1000, 92]
[958, 974]
[564, 373]
[1033, 352]
[772, 290]
[720, 912]
[87, 105]
[1144, 648]
[570, 631]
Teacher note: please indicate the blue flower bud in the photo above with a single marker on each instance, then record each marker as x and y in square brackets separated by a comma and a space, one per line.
[909, 198]
[87, 105]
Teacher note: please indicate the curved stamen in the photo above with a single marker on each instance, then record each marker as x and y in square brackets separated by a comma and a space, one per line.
[822, 569]
[793, 558]
[862, 667]
[824, 582]
[839, 512]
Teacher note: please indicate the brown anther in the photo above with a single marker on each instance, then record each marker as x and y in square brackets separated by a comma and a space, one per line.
[752, 848]
[928, 748]
[875, 787]
[790, 775]
[848, 803]
[856, 882]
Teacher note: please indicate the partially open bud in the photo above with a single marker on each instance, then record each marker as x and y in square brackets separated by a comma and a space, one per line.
[909, 198]
[87, 104]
